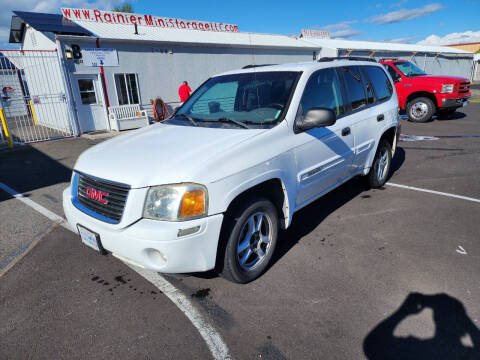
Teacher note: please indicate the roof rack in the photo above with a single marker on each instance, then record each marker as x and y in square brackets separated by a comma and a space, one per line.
[351, 58]
[256, 65]
[391, 59]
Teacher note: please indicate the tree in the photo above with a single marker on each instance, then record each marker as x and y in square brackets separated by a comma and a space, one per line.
[126, 8]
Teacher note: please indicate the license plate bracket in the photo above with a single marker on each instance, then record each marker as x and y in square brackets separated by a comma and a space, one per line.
[91, 239]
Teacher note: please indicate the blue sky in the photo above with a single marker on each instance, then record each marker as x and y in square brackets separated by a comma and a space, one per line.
[401, 21]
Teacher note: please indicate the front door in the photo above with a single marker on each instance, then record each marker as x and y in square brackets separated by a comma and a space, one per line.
[89, 101]
[324, 155]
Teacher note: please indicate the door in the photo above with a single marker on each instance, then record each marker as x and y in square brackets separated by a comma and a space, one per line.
[89, 101]
[324, 155]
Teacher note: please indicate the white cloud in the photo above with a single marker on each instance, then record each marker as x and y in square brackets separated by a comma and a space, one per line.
[342, 29]
[404, 40]
[46, 6]
[405, 14]
[453, 38]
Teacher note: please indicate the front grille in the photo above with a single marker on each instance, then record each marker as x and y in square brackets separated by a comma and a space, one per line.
[115, 198]
[464, 87]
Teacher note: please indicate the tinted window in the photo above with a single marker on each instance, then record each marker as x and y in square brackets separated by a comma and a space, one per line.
[393, 73]
[368, 87]
[353, 82]
[381, 84]
[323, 90]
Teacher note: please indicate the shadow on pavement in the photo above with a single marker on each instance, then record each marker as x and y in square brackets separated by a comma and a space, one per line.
[456, 336]
[455, 116]
[28, 169]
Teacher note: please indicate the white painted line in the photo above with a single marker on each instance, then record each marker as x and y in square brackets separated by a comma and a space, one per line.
[434, 192]
[44, 211]
[461, 250]
[213, 339]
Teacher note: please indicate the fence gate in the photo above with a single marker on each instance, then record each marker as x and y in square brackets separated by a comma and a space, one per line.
[33, 97]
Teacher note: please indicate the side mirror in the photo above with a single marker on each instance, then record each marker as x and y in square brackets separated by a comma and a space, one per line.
[316, 117]
[397, 79]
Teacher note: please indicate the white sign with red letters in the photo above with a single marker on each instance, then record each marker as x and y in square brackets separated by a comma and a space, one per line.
[112, 17]
[311, 33]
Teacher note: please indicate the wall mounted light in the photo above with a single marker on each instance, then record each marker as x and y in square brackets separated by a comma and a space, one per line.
[68, 54]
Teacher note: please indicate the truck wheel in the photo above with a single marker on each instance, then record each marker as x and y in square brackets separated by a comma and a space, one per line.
[420, 110]
[249, 240]
[378, 175]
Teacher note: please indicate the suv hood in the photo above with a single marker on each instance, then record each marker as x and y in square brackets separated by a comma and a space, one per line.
[159, 154]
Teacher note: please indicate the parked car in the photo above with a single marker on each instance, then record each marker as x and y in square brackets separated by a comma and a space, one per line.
[212, 186]
[421, 95]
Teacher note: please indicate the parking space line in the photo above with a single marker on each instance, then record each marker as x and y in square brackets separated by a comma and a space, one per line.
[433, 192]
[213, 339]
[218, 348]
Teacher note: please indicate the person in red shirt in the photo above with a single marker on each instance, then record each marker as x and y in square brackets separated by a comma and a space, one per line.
[184, 91]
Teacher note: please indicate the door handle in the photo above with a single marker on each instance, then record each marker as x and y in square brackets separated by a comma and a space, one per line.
[380, 117]
[346, 131]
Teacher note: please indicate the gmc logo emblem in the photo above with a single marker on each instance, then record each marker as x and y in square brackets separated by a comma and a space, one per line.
[96, 195]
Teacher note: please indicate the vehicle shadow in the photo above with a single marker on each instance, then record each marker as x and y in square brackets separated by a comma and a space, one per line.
[25, 169]
[456, 336]
[307, 219]
[455, 116]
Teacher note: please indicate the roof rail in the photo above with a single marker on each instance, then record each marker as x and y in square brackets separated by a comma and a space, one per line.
[351, 58]
[391, 59]
[256, 65]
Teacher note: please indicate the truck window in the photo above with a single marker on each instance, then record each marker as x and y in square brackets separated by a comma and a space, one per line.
[354, 85]
[323, 90]
[393, 73]
[381, 84]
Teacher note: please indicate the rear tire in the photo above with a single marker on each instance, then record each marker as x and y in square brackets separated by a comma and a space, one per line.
[378, 175]
[249, 240]
[420, 110]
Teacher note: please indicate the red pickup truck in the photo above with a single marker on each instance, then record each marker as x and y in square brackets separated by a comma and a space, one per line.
[422, 95]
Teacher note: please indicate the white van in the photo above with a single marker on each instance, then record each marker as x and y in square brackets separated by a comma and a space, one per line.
[212, 186]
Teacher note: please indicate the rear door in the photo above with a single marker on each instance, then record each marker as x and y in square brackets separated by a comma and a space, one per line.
[375, 117]
[324, 155]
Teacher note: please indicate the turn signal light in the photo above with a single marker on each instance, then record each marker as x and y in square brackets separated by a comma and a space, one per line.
[193, 203]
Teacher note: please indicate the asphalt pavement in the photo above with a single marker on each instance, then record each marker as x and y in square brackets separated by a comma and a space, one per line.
[377, 274]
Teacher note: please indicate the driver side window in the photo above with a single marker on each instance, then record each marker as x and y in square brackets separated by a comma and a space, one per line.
[322, 90]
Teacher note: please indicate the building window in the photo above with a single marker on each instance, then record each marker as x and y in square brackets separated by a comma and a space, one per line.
[87, 91]
[127, 89]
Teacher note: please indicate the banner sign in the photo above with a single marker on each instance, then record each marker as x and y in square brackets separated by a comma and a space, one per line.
[100, 57]
[111, 17]
[315, 33]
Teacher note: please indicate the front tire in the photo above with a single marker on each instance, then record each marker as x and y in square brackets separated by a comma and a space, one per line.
[250, 236]
[378, 175]
[420, 110]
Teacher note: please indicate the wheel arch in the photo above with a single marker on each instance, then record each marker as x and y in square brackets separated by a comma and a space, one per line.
[272, 188]
[391, 136]
[418, 94]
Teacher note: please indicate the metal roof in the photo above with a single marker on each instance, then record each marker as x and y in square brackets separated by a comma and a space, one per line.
[382, 46]
[107, 31]
[42, 22]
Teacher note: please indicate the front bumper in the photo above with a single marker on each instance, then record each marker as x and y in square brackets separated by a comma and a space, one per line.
[451, 103]
[153, 244]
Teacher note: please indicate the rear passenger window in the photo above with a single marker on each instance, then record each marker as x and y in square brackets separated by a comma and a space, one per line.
[368, 86]
[323, 90]
[353, 82]
[381, 84]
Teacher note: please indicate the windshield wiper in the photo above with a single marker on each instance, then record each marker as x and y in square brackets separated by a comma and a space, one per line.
[189, 118]
[239, 123]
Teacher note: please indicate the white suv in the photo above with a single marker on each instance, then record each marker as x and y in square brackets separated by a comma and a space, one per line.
[211, 186]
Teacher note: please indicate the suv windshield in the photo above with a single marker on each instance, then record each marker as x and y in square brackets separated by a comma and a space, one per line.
[409, 69]
[248, 100]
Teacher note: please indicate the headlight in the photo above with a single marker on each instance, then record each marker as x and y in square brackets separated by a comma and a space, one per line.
[176, 202]
[447, 89]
